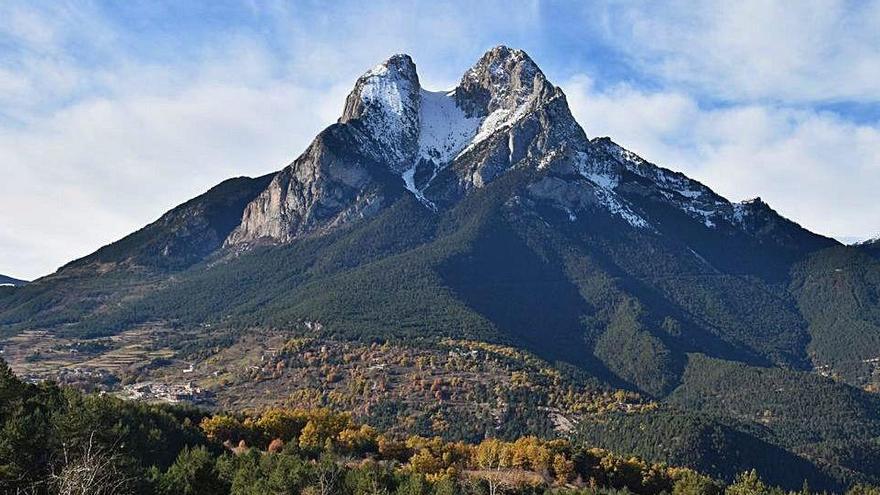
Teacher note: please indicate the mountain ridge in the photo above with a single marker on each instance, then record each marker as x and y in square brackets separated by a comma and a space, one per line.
[504, 88]
[486, 214]
[348, 174]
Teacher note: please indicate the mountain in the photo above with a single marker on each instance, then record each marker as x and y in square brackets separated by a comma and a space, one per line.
[9, 281]
[871, 246]
[481, 228]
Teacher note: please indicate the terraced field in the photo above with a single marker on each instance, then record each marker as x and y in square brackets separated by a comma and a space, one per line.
[38, 355]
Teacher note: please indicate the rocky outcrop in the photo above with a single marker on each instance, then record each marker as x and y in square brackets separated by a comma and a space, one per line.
[524, 120]
[333, 182]
[384, 108]
[344, 173]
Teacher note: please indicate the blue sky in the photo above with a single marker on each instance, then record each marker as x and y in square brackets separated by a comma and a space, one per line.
[113, 112]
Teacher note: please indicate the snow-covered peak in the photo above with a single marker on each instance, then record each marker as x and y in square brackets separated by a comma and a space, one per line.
[400, 65]
[418, 133]
[385, 101]
[389, 87]
[504, 86]
[500, 90]
[502, 78]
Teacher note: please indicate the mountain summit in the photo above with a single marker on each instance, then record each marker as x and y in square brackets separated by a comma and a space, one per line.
[394, 134]
[504, 114]
[484, 216]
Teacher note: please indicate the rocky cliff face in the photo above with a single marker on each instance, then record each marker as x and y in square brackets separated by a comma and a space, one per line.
[384, 108]
[523, 120]
[345, 172]
[333, 182]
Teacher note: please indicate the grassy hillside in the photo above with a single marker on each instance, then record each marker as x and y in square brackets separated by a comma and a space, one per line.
[132, 267]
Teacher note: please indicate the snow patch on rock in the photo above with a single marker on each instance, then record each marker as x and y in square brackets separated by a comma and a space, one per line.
[387, 104]
[601, 180]
[618, 206]
[500, 119]
[688, 195]
[606, 179]
[409, 183]
[601, 173]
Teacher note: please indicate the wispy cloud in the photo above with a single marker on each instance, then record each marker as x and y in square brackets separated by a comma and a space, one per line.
[807, 51]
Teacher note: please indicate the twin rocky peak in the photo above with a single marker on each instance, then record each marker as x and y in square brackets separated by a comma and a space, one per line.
[396, 138]
[394, 134]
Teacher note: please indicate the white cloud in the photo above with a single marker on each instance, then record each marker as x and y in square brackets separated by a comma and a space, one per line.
[813, 167]
[90, 153]
[84, 176]
[814, 50]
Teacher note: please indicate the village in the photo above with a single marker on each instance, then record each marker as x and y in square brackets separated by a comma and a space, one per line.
[171, 393]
